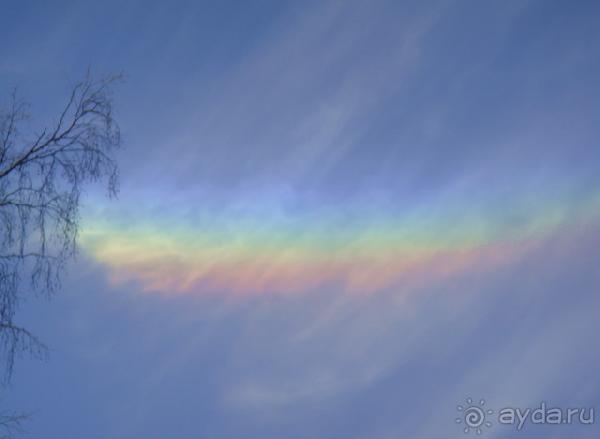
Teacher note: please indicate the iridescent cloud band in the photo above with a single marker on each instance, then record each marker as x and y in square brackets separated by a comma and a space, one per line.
[178, 251]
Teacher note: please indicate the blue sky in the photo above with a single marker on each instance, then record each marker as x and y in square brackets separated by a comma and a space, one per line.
[460, 135]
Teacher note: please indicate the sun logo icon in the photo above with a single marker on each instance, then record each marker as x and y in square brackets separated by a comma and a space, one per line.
[474, 416]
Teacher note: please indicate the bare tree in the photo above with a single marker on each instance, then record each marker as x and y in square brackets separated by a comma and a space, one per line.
[42, 175]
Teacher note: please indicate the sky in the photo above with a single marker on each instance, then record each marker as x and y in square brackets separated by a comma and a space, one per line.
[336, 219]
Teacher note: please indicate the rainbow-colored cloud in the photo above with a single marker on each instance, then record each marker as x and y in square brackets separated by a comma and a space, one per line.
[242, 252]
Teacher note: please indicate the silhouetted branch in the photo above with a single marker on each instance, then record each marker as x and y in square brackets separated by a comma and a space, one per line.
[41, 179]
[11, 423]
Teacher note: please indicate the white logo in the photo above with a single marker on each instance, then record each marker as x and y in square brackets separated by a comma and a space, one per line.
[474, 416]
